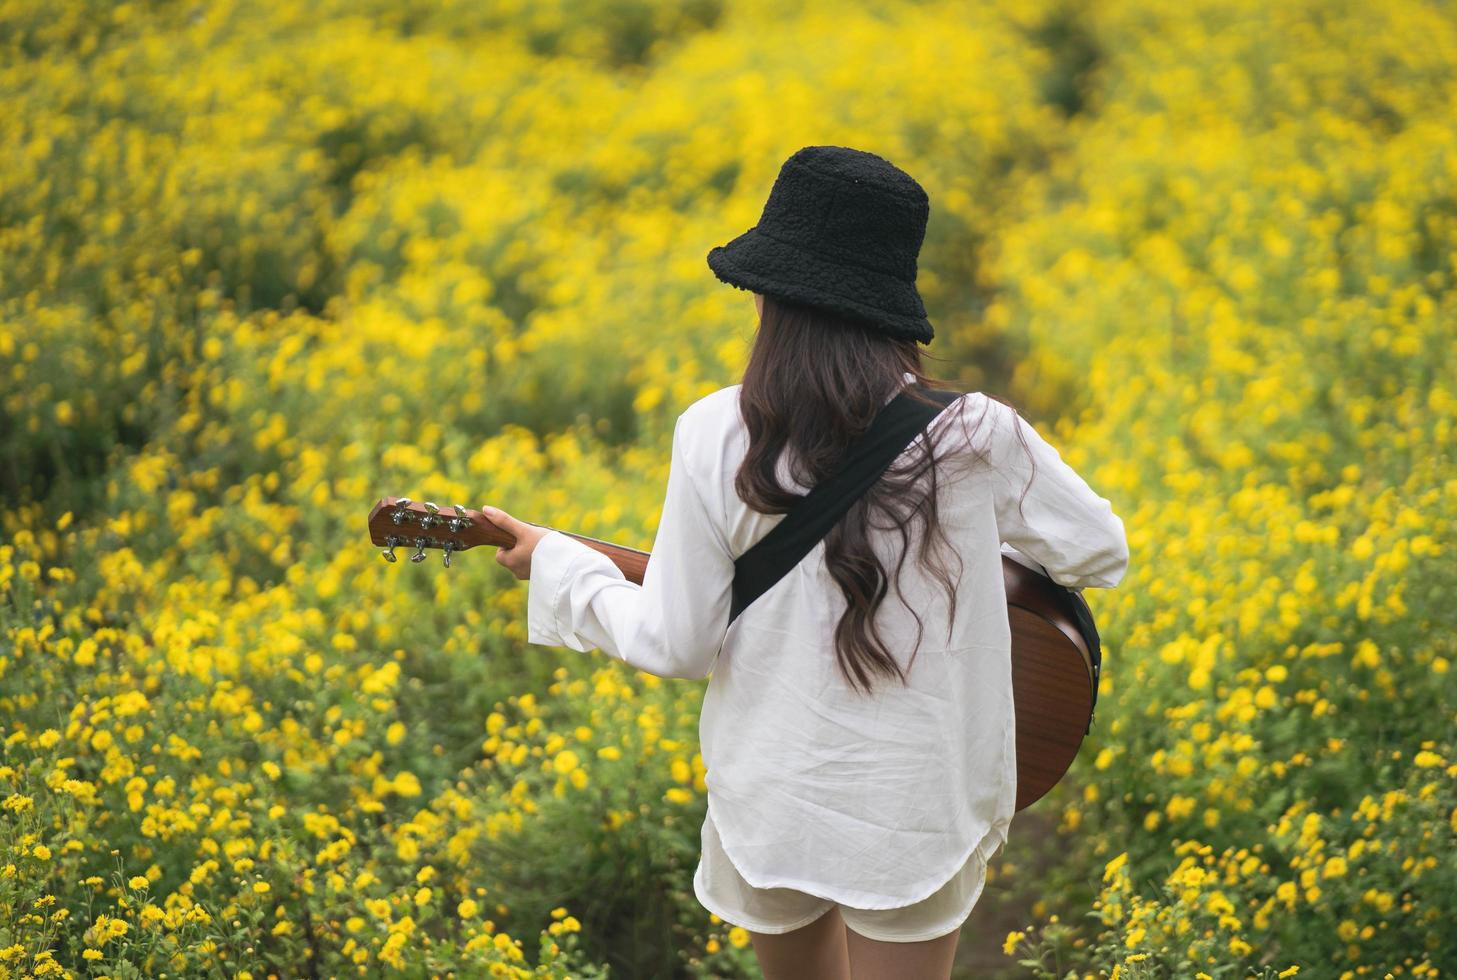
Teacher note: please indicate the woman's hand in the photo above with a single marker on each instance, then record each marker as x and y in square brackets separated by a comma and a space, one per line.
[517, 557]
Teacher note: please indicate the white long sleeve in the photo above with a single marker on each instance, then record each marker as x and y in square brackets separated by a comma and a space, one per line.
[674, 623]
[1062, 523]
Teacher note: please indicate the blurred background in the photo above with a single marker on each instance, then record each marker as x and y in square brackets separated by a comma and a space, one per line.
[264, 263]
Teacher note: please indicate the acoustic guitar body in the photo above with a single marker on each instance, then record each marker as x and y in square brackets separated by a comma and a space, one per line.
[1052, 679]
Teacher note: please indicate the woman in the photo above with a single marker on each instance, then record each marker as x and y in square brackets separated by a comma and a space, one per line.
[858, 728]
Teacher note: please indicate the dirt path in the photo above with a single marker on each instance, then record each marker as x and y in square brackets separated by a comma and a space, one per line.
[1006, 902]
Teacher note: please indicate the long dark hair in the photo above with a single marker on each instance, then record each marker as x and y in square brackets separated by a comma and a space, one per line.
[813, 383]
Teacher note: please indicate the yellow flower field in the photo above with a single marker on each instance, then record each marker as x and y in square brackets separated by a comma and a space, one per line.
[261, 264]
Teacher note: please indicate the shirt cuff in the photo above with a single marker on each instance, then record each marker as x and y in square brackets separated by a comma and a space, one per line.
[552, 568]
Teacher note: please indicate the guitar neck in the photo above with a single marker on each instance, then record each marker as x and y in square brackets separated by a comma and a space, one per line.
[632, 563]
[405, 523]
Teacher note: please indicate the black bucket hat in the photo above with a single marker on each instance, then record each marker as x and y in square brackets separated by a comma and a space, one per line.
[841, 230]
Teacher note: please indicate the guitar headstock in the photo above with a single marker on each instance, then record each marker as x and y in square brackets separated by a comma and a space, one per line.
[422, 525]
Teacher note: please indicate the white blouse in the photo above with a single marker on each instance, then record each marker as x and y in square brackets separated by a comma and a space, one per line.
[873, 802]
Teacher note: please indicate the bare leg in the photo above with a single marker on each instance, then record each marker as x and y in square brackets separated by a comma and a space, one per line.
[813, 952]
[871, 959]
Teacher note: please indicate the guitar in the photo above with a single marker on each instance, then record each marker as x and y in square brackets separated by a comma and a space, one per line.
[1054, 675]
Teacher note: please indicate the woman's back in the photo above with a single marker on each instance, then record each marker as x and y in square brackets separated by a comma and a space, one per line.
[898, 786]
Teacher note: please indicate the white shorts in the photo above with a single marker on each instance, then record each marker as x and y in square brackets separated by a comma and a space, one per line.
[725, 893]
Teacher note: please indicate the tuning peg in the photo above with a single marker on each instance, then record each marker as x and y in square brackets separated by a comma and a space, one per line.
[432, 517]
[419, 554]
[402, 510]
[449, 547]
[389, 553]
[459, 522]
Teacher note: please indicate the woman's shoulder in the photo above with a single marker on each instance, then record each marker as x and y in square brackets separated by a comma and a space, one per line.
[977, 430]
[717, 413]
[1000, 418]
[717, 409]
[982, 420]
[710, 429]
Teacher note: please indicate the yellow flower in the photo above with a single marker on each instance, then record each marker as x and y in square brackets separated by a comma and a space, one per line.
[41, 853]
[1013, 938]
[1368, 654]
[738, 937]
[261, 887]
[467, 909]
[138, 882]
[565, 762]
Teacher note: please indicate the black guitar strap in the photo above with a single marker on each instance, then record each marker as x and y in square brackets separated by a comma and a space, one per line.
[810, 518]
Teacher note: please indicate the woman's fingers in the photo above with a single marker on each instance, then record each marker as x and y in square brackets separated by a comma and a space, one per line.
[501, 519]
[515, 557]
